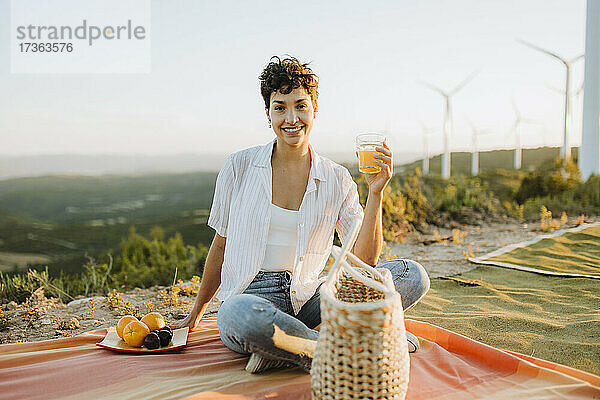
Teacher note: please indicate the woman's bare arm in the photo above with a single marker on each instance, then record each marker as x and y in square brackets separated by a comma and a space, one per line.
[211, 280]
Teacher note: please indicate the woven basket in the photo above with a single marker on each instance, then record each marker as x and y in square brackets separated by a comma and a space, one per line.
[362, 351]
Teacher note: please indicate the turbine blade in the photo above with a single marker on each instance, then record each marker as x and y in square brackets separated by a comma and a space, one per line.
[464, 82]
[579, 57]
[533, 46]
[515, 109]
[435, 88]
[512, 129]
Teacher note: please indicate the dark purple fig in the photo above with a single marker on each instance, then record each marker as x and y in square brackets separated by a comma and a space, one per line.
[165, 337]
[152, 341]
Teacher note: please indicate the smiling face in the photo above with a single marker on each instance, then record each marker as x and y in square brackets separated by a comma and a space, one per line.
[292, 116]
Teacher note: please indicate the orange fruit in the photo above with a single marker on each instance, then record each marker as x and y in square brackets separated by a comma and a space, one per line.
[123, 322]
[154, 321]
[134, 333]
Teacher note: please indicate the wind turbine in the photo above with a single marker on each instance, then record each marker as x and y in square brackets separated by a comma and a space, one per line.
[589, 156]
[475, 151]
[565, 150]
[575, 97]
[448, 120]
[425, 132]
[515, 129]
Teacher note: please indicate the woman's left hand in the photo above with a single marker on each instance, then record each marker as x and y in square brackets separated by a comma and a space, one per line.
[377, 182]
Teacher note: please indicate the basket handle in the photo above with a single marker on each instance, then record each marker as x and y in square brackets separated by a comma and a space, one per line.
[339, 254]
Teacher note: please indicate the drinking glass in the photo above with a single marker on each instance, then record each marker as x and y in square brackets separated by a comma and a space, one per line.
[365, 146]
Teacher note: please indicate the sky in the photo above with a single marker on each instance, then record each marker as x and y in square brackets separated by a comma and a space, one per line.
[202, 94]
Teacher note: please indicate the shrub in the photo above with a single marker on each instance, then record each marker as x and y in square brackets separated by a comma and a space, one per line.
[503, 183]
[551, 179]
[405, 205]
[411, 202]
[583, 198]
[588, 194]
[144, 263]
[461, 197]
[18, 287]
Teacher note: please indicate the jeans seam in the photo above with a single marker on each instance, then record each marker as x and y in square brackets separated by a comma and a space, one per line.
[405, 271]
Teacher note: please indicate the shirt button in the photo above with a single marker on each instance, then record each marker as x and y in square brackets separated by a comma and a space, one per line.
[301, 258]
[293, 292]
[301, 224]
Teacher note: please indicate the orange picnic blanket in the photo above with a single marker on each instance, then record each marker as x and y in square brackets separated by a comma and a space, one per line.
[448, 366]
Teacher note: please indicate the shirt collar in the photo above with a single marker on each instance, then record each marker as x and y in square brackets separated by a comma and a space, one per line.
[263, 159]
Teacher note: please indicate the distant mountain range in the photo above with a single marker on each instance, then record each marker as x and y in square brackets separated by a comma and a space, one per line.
[76, 164]
[95, 165]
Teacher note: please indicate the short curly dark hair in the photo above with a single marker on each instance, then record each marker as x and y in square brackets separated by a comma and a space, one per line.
[286, 75]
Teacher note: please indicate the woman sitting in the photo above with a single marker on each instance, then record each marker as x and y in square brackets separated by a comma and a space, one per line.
[275, 210]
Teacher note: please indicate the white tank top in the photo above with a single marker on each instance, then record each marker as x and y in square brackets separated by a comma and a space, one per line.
[282, 239]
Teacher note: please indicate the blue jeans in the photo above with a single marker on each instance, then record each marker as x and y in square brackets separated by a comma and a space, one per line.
[261, 320]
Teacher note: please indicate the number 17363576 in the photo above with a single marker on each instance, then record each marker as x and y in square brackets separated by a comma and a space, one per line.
[45, 47]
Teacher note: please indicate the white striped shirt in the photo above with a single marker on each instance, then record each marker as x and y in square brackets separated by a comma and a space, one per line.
[241, 212]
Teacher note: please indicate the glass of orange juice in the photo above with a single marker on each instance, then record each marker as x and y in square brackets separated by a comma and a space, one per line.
[365, 146]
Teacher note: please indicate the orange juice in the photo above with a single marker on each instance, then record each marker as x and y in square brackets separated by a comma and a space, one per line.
[366, 144]
[366, 162]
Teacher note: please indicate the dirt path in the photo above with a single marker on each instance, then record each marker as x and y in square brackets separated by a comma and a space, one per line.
[448, 257]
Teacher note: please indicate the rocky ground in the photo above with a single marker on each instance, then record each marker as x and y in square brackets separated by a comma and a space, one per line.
[449, 256]
[443, 253]
[41, 318]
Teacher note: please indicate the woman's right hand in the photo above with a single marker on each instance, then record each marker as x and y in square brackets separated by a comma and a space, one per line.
[189, 321]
